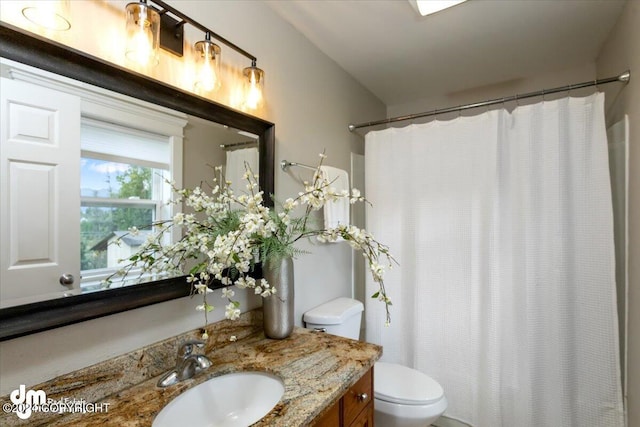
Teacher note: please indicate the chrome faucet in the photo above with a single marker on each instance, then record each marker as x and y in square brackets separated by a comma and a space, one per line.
[188, 364]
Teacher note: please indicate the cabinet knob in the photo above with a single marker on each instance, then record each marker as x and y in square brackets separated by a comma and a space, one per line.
[362, 397]
[66, 279]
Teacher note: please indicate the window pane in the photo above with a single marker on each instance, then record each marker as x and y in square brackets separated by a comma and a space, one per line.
[101, 178]
[100, 226]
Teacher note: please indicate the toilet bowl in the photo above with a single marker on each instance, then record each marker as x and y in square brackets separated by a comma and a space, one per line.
[403, 397]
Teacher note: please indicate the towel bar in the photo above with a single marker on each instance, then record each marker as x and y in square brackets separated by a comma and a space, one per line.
[285, 165]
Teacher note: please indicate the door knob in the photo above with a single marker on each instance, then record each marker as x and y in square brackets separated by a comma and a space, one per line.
[66, 279]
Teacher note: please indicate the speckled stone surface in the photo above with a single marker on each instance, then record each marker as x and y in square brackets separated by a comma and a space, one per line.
[316, 369]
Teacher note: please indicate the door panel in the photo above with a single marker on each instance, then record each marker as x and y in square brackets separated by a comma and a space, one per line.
[39, 192]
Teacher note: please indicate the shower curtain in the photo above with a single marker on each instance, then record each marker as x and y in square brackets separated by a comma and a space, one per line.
[505, 293]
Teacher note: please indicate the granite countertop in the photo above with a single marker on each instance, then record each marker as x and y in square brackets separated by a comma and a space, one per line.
[316, 368]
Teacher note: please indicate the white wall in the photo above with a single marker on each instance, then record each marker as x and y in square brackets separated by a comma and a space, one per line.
[556, 78]
[622, 52]
[311, 100]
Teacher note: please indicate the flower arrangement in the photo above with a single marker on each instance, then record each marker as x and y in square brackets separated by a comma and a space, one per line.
[228, 233]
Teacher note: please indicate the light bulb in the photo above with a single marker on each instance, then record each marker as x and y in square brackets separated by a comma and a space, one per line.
[207, 65]
[207, 77]
[254, 94]
[143, 34]
[140, 47]
[254, 83]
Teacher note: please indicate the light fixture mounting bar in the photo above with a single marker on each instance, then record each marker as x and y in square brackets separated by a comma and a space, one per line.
[196, 24]
[171, 34]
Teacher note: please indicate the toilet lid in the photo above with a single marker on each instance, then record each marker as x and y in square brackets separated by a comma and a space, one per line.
[399, 384]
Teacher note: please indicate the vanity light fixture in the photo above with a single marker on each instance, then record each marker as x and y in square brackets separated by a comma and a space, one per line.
[207, 52]
[253, 86]
[143, 34]
[207, 65]
[49, 14]
[428, 7]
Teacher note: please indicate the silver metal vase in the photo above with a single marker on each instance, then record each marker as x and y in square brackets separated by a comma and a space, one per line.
[278, 309]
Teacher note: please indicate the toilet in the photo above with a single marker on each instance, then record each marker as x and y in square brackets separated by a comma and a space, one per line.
[403, 397]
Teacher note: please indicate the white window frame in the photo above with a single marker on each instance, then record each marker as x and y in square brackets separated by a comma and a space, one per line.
[91, 279]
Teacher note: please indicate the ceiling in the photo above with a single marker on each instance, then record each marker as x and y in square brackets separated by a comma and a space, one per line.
[402, 57]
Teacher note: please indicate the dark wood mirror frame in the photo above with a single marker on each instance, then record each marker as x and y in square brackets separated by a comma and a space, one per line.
[30, 49]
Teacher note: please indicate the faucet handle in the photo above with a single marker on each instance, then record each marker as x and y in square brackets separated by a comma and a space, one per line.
[186, 348]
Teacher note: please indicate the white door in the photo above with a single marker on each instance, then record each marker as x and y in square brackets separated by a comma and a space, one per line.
[39, 192]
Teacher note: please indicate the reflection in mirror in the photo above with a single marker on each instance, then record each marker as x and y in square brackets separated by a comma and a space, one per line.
[118, 197]
[83, 162]
[127, 152]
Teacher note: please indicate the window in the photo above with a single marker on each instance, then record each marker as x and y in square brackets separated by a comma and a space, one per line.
[122, 185]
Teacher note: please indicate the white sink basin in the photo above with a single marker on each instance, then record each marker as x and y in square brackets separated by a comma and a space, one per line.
[232, 400]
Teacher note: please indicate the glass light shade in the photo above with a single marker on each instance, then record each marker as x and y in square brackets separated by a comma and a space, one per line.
[253, 87]
[207, 65]
[49, 14]
[143, 34]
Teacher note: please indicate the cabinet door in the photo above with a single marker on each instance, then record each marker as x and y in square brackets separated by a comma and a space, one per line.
[365, 419]
[39, 191]
[331, 418]
[358, 397]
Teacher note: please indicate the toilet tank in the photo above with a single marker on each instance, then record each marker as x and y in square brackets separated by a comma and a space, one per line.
[340, 316]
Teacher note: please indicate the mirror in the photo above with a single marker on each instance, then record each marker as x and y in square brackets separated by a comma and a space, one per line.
[201, 116]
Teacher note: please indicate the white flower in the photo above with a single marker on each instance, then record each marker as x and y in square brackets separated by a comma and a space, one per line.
[377, 271]
[289, 204]
[245, 282]
[201, 288]
[355, 196]
[227, 293]
[231, 312]
[133, 231]
[178, 218]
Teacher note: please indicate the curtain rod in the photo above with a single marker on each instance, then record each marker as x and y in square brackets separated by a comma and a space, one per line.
[624, 77]
[237, 144]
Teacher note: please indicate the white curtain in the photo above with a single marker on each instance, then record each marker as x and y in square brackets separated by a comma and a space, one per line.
[505, 292]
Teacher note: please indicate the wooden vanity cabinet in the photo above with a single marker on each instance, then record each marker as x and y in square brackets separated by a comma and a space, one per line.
[355, 407]
[331, 418]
